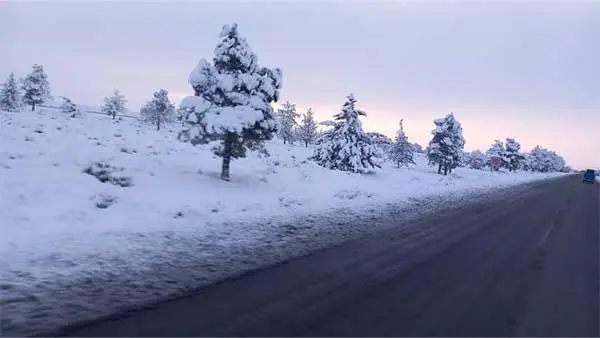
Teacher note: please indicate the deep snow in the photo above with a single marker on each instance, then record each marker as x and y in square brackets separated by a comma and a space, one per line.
[64, 259]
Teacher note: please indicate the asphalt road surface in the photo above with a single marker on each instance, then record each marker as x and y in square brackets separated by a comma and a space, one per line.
[523, 265]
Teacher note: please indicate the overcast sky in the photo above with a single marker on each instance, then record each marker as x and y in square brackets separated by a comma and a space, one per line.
[529, 70]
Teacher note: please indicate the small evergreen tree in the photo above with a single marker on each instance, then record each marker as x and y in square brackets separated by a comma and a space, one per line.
[232, 102]
[307, 131]
[114, 105]
[36, 88]
[286, 117]
[446, 147]
[182, 113]
[67, 106]
[514, 158]
[497, 152]
[477, 160]
[401, 152]
[381, 141]
[347, 147]
[10, 95]
[159, 110]
[418, 148]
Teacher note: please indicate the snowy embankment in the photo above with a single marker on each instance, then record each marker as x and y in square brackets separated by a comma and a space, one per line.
[73, 247]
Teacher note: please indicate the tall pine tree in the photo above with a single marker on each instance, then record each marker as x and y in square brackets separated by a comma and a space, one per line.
[232, 101]
[159, 110]
[401, 152]
[513, 155]
[10, 95]
[115, 104]
[347, 147]
[446, 147]
[307, 131]
[497, 153]
[286, 117]
[36, 88]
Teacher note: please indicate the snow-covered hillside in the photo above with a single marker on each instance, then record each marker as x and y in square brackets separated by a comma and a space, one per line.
[163, 199]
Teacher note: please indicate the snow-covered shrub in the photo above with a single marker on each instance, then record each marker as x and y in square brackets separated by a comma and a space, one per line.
[68, 107]
[103, 201]
[477, 160]
[107, 173]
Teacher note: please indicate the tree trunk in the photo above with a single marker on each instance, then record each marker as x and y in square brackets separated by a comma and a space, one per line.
[114, 115]
[158, 125]
[439, 168]
[445, 170]
[398, 163]
[306, 144]
[32, 106]
[226, 160]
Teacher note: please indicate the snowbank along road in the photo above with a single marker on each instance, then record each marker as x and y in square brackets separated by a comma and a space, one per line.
[523, 264]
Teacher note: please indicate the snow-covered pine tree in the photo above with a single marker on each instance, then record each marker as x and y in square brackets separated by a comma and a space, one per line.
[544, 160]
[286, 119]
[36, 88]
[401, 152]
[159, 110]
[446, 147]
[307, 131]
[10, 95]
[513, 155]
[497, 151]
[381, 141]
[114, 105]
[182, 113]
[347, 147]
[477, 160]
[232, 102]
[418, 148]
[68, 107]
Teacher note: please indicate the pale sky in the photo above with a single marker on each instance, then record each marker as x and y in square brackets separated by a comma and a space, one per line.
[523, 69]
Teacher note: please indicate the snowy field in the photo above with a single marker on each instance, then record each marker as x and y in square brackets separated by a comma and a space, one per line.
[73, 247]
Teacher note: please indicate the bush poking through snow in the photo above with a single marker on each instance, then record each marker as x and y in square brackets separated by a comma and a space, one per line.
[103, 201]
[107, 173]
[68, 107]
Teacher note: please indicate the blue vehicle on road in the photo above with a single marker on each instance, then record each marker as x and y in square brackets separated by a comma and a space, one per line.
[589, 176]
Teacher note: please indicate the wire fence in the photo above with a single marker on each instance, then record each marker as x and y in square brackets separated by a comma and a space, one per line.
[90, 111]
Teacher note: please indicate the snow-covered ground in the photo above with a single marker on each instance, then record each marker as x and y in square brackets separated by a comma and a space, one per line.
[73, 247]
